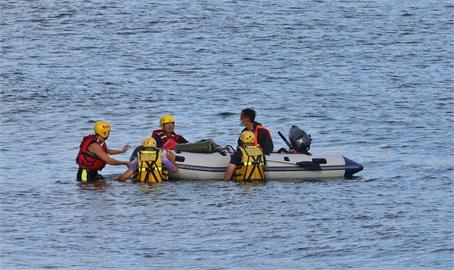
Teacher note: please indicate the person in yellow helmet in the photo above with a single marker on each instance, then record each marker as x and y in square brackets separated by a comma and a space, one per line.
[94, 154]
[166, 136]
[151, 164]
[248, 162]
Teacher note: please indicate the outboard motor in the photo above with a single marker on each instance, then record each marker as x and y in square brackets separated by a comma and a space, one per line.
[300, 140]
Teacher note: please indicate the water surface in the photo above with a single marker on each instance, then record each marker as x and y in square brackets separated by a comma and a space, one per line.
[368, 79]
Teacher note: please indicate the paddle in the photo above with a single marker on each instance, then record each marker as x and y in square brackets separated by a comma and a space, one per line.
[313, 165]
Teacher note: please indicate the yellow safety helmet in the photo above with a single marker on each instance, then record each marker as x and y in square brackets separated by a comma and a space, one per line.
[166, 119]
[102, 128]
[149, 142]
[247, 137]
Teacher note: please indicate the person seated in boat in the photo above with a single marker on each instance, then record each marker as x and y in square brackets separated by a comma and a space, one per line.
[262, 134]
[94, 154]
[151, 164]
[166, 136]
[248, 162]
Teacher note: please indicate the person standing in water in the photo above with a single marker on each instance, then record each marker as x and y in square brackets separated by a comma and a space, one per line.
[151, 165]
[248, 162]
[94, 154]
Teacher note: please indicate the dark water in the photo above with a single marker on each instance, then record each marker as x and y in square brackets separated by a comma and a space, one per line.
[372, 80]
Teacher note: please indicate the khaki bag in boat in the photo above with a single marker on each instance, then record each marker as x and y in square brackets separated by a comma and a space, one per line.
[202, 146]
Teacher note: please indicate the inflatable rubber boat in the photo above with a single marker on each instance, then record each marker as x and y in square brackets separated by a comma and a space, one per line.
[205, 166]
[200, 161]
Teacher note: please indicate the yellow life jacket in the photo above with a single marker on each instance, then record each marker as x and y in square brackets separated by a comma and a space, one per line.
[252, 164]
[149, 167]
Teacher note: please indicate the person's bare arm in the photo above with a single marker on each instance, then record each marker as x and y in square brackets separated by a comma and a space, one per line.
[169, 161]
[229, 172]
[123, 150]
[170, 156]
[125, 176]
[97, 150]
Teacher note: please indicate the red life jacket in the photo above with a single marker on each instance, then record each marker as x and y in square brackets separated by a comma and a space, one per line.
[163, 137]
[256, 133]
[88, 160]
[170, 144]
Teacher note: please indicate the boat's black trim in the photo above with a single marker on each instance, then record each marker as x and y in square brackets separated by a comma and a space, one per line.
[201, 168]
[309, 165]
[269, 169]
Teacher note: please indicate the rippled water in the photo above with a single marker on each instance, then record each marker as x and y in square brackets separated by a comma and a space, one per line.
[372, 80]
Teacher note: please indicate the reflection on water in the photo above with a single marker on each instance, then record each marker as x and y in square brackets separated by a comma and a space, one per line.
[99, 186]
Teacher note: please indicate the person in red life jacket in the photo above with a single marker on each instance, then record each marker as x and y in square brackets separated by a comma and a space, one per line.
[94, 154]
[166, 137]
[261, 134]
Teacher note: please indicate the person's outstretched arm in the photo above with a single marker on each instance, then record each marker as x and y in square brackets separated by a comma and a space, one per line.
[131, 169]
[123, 150]
[97, 150]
